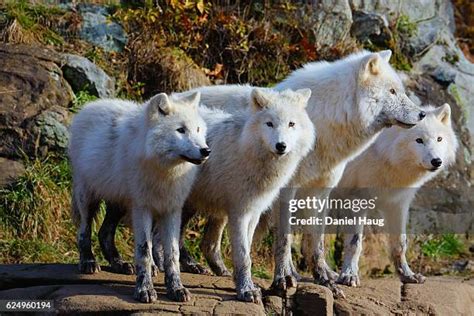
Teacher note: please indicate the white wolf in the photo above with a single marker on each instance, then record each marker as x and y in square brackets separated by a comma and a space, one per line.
[141, 158]
[399, 162]
[254, 155]
[352, 100]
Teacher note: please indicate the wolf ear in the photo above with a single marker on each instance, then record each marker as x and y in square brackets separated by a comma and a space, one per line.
[159, 105]
[304, 94]
[370, 66]
[443, 113]
[194, 98]
[259, 99]
[386, 54]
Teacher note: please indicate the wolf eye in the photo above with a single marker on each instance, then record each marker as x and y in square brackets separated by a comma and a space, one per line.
[181, 130]
[269, 124]
[392, 91]
[291, 124]
[419, 141]
[440, 139]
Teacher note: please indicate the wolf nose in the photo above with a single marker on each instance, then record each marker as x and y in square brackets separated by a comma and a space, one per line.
[436, 162]
[280, 147]
[422, 115]
[205, 152]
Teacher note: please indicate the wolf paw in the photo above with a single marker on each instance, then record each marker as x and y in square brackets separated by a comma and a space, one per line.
[122, 268]
[336, 291]
[89, 267]
[349, 279]
[221, 271]
[414, 278]
[323, 274]
[195, 268]
[284, 283]
[296, 275]
[179, 295]
[145, 294]
[253, 296]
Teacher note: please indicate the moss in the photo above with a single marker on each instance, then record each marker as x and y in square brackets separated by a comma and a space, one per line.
[405, 27]
[451, 58]
[454, 92]
[402, 29]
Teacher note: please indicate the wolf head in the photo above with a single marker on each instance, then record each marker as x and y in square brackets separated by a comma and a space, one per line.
[175, 130]
[279, 122]
[430, 145]
[382, 95]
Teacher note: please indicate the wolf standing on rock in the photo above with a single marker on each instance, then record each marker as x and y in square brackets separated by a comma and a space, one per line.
[400, 161]
[143, 159]
[254, 155]
[352, 101]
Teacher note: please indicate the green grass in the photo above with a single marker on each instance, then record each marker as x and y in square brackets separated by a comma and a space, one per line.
[443, 246]
[32, 22]
[35, 221]
[81, 98]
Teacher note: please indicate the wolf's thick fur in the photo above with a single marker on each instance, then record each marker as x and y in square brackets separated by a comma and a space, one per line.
[254, 155]
[400, 161]
[137, 158]
[352, 100]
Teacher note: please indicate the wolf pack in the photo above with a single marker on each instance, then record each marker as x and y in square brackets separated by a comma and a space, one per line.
[226, 151]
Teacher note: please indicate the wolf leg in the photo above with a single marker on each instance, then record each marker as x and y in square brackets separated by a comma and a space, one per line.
[86, 205]
[313, 248]
[188, 263]
[142, 228]
[157, 251]
[238, 228]
[169, 227]
[397, 218]
[350, 268]
[352, 249]
[113, 215]
[283, 277]
[322, 273]
[211, 245]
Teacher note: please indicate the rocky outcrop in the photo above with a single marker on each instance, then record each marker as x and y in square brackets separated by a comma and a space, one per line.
[331, 23]
[112, 293]
[33, 99]
[98, 29]
[84, 75]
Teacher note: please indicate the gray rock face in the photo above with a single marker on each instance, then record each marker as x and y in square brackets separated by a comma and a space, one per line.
[82, 74]
[33, 102]
[50, 126]
[9, 171]
[447, 65]
[99, 30]
[331, 20]
[370, 26]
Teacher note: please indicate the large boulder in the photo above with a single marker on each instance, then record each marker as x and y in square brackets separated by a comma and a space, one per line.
[34, 97]
[83, 74]
[98, 29]
[164, 69]
[330, 23]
